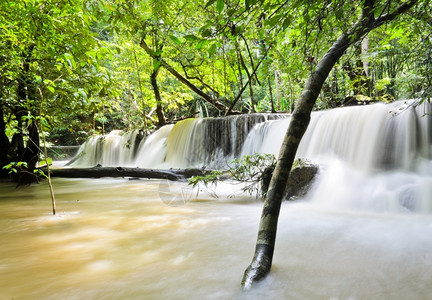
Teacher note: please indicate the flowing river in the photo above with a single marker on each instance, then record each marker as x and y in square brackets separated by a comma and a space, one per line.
[364, 231]
[150, 239]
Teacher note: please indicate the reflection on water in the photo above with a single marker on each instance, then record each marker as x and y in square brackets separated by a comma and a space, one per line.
[117, 239]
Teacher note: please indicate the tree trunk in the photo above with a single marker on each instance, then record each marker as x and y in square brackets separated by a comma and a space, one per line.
[98, 172]
[30, 156]
[277, 90]
[4, 144]
[262, 260]
[273, 110]
[159, 109]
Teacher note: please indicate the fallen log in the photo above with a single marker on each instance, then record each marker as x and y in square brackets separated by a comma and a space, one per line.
[98, 172]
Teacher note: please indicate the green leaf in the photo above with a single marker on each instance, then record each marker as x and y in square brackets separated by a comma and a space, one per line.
[51, 89]
[156, 64]
[274, 20]
[249, 3]
[338, 13]
[156, 53]
[45, 123]
[212, 50]
[70, 60]
[206, 33]
[201, 44]
[231, 12]
[286, 22]
[210, 2]
[175, 39]
[190, 37]
[220, 5]
[102, 92]
[22, 164]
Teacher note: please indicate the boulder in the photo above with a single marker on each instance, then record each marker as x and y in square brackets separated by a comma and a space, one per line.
[300, 179]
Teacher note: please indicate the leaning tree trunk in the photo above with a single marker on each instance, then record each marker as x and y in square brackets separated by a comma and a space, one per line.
[262, 260]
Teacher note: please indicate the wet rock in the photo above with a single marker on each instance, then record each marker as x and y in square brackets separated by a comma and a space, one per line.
[300, 180]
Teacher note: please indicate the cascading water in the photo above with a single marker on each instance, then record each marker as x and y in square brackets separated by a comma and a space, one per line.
[210, 142]
[114, 149]
[366, 137]
[375, 157]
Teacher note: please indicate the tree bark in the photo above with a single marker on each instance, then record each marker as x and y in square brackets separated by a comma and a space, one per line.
[30, 156]
[159, 109]
[263, 257]
[4, 143]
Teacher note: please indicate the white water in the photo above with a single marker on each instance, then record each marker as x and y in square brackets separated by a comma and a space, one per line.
[366, 137]
[114, 149]
[210, 142]
[377, 155]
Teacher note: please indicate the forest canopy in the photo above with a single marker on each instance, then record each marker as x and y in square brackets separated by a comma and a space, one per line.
[74, 68]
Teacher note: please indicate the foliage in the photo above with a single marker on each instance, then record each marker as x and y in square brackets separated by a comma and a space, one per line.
[14, 168]
[249, 170]
[253, 170]
[85, 59]
[211, 178]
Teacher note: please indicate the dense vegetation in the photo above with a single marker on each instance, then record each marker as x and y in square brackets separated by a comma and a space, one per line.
[74, 68]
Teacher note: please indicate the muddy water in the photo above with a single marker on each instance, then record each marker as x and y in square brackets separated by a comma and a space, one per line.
[123, 239]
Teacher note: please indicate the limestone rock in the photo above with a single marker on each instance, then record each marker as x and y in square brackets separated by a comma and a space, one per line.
[300, 179]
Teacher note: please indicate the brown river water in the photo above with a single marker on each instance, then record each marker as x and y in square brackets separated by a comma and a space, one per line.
[149, 239]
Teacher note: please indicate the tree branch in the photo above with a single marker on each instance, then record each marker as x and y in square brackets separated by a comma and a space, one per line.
[399, 10]
[218, 105]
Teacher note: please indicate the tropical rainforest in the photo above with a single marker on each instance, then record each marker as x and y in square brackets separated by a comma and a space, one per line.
[70, 69]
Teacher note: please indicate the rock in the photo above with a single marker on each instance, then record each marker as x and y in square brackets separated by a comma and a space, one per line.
[300, 179]
[265, 179]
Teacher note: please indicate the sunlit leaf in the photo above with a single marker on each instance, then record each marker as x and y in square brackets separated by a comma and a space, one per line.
[190, 37]
[212, 50]
[220, 5]
[175, 39]
[201, 44]
[156, 64]
[274, 20]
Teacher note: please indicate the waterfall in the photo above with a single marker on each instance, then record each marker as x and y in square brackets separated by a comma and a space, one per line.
[373, 157]
[208, 142]
[115, 149]
[366, 137]
[379, 136]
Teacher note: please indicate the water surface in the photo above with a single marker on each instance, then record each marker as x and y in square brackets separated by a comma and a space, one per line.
[125, 239]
